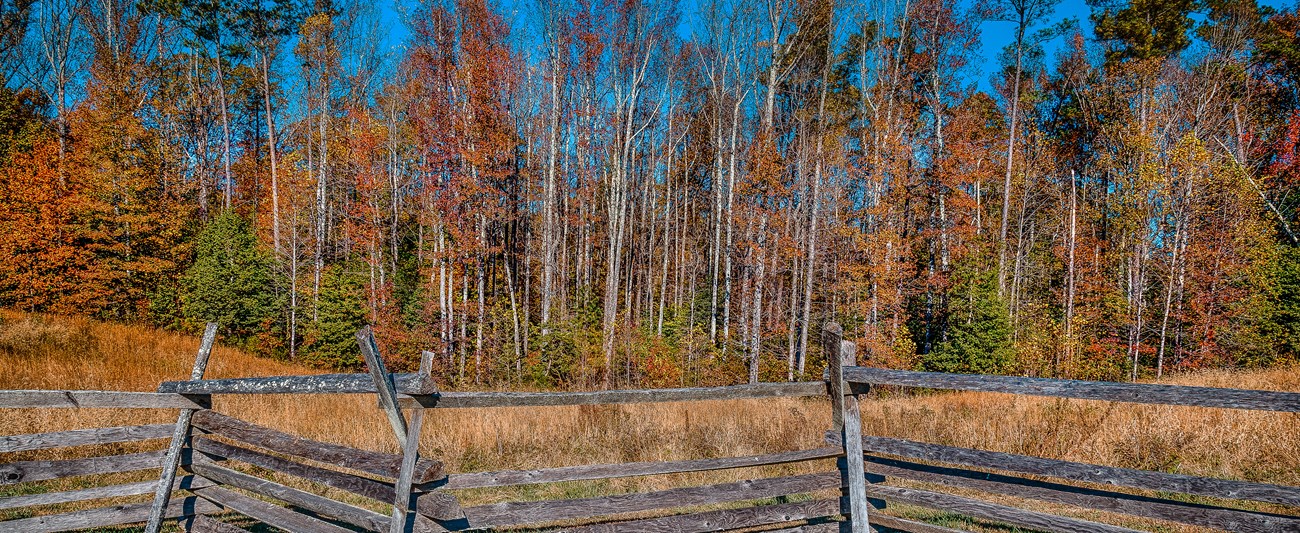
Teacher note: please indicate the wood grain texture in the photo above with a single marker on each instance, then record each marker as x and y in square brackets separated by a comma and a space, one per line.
[95, 493]
[533, 399]
[180, 435]
[520, 513]
[317, 384]
[847, 420]
[879, 522]
[1156, 508]
[436, 505]
[271, 514]
[25, 471]
[206, 524]
[348, 514]
[990, 511]
[82, 437]
[724, 520]
[1258, 400]
[507, 478]
[382, 464]
[1104, 475]
[23, 399]
[105, 516]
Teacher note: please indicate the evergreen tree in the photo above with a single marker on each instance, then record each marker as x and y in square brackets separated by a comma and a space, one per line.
[978, 339]
[233, 280]
[340, 313]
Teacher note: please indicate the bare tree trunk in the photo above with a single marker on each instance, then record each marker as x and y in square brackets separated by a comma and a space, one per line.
[271, 145]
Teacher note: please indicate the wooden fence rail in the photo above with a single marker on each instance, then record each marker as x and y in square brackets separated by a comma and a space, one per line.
[230, 466]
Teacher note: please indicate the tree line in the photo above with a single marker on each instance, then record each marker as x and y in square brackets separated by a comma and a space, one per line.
[599, 193]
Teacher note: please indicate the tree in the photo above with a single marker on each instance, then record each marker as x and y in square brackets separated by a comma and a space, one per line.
[1145, 29]
[233, 281]
[979, 332]
[331, 341]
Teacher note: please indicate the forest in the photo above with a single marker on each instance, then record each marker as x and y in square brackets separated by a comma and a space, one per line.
[600, 193]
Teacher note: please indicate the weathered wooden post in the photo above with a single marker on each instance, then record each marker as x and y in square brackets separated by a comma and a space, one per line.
[408, 436]
[847, 420]
[163, 492]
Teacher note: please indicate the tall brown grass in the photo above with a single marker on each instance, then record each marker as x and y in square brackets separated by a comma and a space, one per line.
[40, 352]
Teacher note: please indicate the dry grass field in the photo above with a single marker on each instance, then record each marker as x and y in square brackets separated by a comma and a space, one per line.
[44, 352]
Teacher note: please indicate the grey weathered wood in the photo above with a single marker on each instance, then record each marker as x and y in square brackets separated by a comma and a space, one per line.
[1156, 508]
[382, 464]
[894, 523]
[847, 421]
[271, 514]
[25, 471]
[911, 526]
[402, 501]
[206, 524]
[112, 515]
[23, 399]
[1259, 400]
[81, 437]
[436, 505]
[383, 382]
[408, 437]
[990, 511]
[180, 435]
[95, 493]
[606, 471]
[537, 399]
[348, 514]
[510, 514]
[312, 384]
[724, 520]
[1104, 475]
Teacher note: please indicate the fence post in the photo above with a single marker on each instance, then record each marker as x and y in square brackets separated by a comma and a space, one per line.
[163, 492]
[408, 435]
[847, 420]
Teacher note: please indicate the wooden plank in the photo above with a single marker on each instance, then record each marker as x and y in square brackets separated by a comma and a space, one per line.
[82, 437]
[315, 384]
[1258, 400]
[893, 523]
[1104, 475]
[847, 420]
[510, 514]
[1156, 508]
[24, 399]
[206, 524]
[436, 505]
[25, 471]
[271, 514]
[180, 435]
[990, 511]
[507, 478]
[348, 514]
[95, 493]
[382, 464]
[910, 526]
[383, 382]
[537, 399]
[723, 520]
[402, 499]
[112, 515]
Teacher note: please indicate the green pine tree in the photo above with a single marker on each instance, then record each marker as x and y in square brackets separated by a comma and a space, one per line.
[233, 281]
[331, 340]
[978, 340]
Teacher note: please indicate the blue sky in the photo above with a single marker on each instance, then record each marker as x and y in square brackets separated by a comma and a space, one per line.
[994, 35]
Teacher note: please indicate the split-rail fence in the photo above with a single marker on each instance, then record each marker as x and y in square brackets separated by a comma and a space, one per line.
[212, 474]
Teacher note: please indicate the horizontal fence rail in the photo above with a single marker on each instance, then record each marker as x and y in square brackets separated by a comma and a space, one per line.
[80, 399]
[1257, 400]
